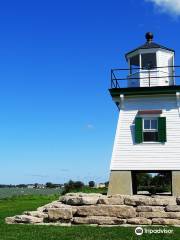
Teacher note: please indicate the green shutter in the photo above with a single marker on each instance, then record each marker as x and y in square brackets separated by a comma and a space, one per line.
[162, 129]
[138, 130]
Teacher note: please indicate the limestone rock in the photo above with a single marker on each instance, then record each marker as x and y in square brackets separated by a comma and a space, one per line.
[150, 209]
[172, 208]
[159, 215]
[178, 200]
[162, 221]
[62, 224]
[118, 195]
[99, 220]
[89, 200]
[112, 200]
[59, 213]
[139, 220]
[121, 211]
[54, 204]
[150, 201]
[36, 214]
[71, 200]
[173, 215]
[23, 219]
[80, 199]
[153, 214]
[10, 220]
[136, 200]
[163, 200]
[57, 205]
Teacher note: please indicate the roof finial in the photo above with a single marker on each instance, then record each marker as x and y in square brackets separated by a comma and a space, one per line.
[149, 36]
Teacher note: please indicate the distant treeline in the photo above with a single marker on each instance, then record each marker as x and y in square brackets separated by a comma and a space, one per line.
[36, 185]
[69, 186]
[7, 186]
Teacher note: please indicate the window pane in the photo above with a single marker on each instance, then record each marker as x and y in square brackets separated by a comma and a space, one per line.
[153, 124]
[150, 136]
[146, 124]
[148, 60]
[134, 63]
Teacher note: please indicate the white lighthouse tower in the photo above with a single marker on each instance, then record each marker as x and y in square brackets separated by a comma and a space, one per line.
[148, 130]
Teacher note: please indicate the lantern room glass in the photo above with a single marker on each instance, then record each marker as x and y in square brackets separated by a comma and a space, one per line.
[144, 61]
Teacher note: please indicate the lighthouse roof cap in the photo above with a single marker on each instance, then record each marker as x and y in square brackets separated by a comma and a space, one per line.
[149, 44]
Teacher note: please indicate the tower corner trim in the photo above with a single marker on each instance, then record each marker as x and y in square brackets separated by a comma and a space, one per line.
[178, 101]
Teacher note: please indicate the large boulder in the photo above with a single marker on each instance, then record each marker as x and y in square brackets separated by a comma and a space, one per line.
[149, 201]
[136, 200]
[54, 204]
[173, 215]
[153, 214]
[165, 221]
[172, 208]
[10, 220]
[59, 223]
[163, 200]
[159, 215]
[59, 213]
[89, 200]
[121, 211]
[71, 200]
[100, 220]
[80, 199]
[139, 220]
[150, 209]
[111, 200]
[23, 219]
[37, 214]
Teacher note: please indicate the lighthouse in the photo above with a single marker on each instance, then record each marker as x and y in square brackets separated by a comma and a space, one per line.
[147, 138]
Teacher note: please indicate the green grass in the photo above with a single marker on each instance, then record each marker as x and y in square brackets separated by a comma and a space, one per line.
[9, 192]
[16, 205]
[87, 189]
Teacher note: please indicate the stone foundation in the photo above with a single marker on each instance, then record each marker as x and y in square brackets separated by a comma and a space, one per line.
[176, 183]
[120, 182]
[97, 209]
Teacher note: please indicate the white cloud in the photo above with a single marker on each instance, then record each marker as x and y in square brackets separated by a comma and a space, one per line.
[170, 6]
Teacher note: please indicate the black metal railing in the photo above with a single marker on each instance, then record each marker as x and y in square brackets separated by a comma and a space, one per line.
[146, 76]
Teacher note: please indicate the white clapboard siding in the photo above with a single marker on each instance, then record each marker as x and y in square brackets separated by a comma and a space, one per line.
[127, 155]
[165, 58]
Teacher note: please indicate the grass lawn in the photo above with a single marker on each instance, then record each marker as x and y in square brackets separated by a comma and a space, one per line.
[17, 205]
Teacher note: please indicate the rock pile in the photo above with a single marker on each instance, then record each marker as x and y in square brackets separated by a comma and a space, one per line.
[97, 209]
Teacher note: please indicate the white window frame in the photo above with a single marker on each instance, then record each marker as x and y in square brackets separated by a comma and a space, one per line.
[149, 130]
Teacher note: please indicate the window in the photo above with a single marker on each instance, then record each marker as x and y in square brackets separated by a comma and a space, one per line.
[152, 182]
[150, 130]
[134, 64]
[148, 60]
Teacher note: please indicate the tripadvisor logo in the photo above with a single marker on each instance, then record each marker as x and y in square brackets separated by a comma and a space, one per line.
[139, 231]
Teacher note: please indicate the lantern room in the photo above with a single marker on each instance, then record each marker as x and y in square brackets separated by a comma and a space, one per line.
[150, 65]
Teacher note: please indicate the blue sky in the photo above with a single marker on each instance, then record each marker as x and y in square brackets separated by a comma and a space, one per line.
[57, 118]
